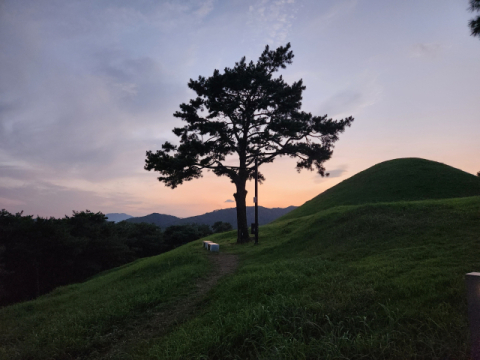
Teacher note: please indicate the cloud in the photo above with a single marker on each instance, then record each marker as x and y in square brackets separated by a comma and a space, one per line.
[229, 201]
[44, 198]
[426, 50]
[335, 173]
[326, 15]
[358, 93]
[339, 7]
[48, 199]
[205, 8]
[16, 173]
[272, 20]
[136, 84]
[343, 101]
[85, 89]
[74, 105]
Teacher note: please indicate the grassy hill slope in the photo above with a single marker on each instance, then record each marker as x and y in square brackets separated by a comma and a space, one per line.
[395, 180]
[376, 281]
[382, 281]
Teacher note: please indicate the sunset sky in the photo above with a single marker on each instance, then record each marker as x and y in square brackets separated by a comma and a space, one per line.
[88, 86]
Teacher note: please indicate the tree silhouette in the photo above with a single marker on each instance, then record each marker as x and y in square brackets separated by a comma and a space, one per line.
[247, 113]
[475, 23]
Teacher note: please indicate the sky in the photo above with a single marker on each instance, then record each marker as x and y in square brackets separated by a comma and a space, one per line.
[87, 87]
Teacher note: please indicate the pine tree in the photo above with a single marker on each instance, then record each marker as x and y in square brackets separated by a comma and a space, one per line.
[247, 113]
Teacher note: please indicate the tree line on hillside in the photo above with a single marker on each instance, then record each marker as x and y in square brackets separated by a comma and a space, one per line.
[40, 254]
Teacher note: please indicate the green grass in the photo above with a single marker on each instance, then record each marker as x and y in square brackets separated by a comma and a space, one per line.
[406, 179]
[383, 280]
[82, 320]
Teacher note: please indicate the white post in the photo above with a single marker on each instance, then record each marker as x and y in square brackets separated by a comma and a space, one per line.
[473, 298]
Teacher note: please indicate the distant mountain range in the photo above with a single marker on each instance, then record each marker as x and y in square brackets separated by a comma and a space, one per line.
[265, 216]
[161, 220]
[117, 217]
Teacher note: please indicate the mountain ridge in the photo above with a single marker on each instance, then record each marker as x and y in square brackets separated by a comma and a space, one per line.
[265, 216]
[117, 217]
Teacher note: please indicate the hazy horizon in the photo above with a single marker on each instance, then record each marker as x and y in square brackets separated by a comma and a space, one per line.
[233, 207]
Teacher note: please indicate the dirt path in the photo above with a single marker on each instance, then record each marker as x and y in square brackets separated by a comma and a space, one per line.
[224, 264]
[156, 324]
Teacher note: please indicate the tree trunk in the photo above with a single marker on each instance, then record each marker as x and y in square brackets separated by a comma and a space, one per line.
[240, 199]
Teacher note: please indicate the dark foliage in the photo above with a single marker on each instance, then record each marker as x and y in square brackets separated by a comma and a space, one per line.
[37, 255]
[143, 239]
[248, 114]
[177, 235]
[221, 226]
[41, 254]
[475, 23]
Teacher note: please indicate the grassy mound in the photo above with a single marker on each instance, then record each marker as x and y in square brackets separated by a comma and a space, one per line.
[395, 180]
[378, 281]
[381, 281]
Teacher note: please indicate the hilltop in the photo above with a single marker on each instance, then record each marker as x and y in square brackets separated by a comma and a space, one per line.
[405, 179]
[378, 279]
[161, 220]
[117, 217]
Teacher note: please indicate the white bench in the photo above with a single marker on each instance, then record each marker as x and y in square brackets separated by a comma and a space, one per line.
[213, 247]
[209, 245]
[205, 244]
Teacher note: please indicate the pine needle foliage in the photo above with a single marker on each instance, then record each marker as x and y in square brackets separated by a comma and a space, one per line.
[245, 113]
